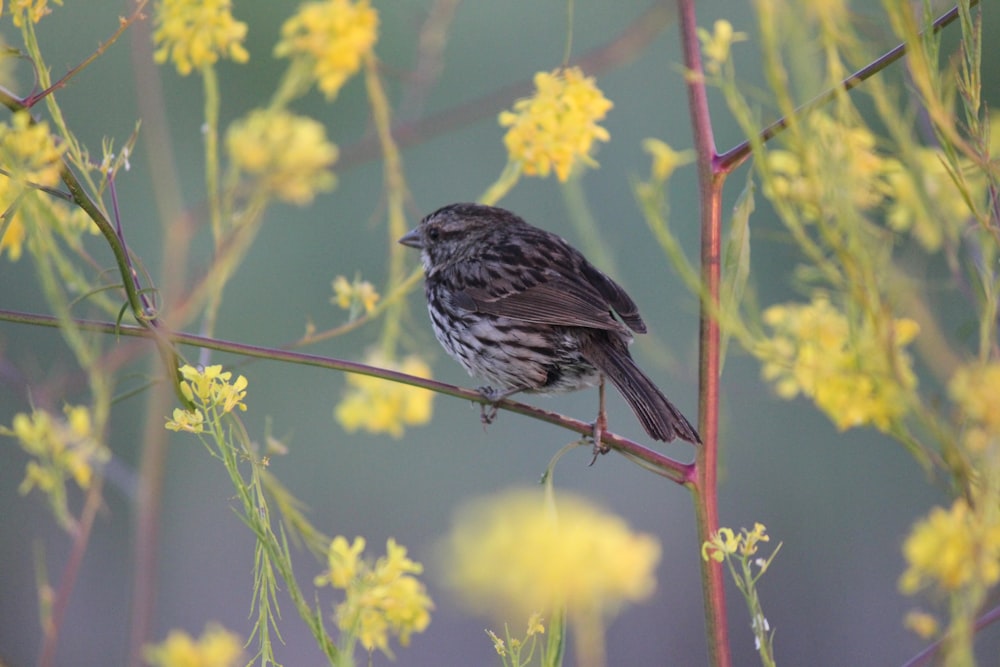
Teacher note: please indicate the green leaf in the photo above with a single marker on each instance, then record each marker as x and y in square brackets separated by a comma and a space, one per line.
[735, 264]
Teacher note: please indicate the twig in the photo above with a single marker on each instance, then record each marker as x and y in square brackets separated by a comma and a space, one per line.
[664, 465]
[735, 156]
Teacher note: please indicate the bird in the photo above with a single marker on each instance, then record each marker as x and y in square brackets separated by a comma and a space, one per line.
[521, 308]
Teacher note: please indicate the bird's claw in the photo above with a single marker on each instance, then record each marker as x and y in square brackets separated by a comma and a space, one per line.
[596, 436]
[488, 411]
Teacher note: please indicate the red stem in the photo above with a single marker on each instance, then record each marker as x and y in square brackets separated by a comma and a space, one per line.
[81, 537]
[704, 487]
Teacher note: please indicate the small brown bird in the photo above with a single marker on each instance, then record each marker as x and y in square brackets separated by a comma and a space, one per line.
[523, 309]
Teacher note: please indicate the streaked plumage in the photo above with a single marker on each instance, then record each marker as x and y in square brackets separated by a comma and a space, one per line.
[521, 308]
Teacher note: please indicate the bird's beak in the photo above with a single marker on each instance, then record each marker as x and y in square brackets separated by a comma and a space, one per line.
[412, 239]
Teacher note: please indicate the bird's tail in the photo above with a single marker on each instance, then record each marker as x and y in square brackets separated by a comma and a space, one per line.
[661, 418]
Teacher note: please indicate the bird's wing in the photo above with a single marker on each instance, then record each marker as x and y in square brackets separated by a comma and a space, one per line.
[556, 301]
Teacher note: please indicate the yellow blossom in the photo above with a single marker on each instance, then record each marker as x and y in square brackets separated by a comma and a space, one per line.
[975, 389]
[921, 623]
[382, 406]
[211, 389]
[716, 44]
[839, 161]
[29, 152]
[61, 448]
[33, 10]
[857, 375]
[953, 548]
[192, 421]
[726, 542]
[512, 555]
[666, 160]
[557, 126]
[196, 33]
[360, 294]
[289, 154]
[217, 647]
[925, 200]
[331, 37]
[30, 157]
[381, 598]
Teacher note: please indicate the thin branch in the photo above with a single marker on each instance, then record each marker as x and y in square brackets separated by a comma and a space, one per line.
[735, 156]
[123, 25]
[674, 470]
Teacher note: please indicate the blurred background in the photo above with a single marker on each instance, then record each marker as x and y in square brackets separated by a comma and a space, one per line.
[841, 503]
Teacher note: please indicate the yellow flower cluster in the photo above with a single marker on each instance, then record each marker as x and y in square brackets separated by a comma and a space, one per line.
[927, 202]
[33, 10]
[857, 375]
[716, 45]
[211, 392]
[727, 542]
[217, 647]
[557, 126]
[953, 548]
[380, 599]
[356, 296]
[840, 160]
[61, 448]
[289, 154]
[28, 151]
[512, 554]
[975, 389]
[332, 37]
[29, 155]
[381, 406]
[196, 33]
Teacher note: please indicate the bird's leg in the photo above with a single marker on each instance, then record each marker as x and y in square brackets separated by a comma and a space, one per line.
[600, 424]
[488, 411]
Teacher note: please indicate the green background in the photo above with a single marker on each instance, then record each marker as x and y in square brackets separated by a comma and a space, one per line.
[840, 503]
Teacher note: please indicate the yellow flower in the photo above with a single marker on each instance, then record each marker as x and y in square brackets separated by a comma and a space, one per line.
[289, 154]
[840, 161]
[331, 37]
[343, 561]
[29, 152]
[64, 447]
[557, 126]
[192, 421]
[33, 10]
[382, 406]
[511, 555]
[380, 599]
[217, 647]
[716, 44]
[13, 238]
[921, 623]
[925, 200]
[952, 548]
[360, 294]
[726, 542]
[857, 374]
[211, 388]
[975, 389]
[195, 33]
[665, 159]
[61, 448]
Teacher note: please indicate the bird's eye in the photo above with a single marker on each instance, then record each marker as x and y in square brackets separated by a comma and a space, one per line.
[433, 233]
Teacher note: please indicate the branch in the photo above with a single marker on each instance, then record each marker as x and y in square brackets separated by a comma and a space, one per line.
[682, 473]
[735, 156]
